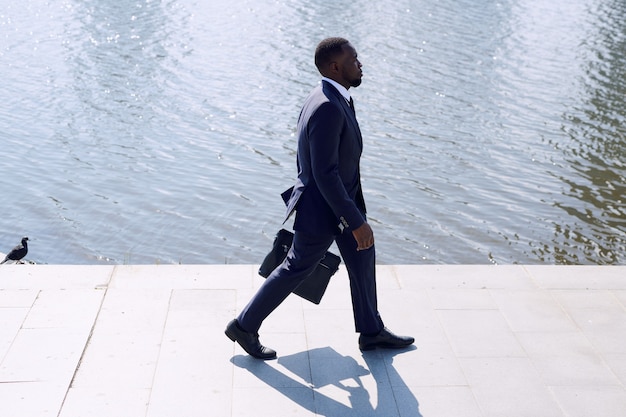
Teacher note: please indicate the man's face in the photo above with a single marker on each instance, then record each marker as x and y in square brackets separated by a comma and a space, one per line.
[350, 67]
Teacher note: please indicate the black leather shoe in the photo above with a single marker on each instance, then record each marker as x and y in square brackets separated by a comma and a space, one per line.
[248, 341]
[384, 340]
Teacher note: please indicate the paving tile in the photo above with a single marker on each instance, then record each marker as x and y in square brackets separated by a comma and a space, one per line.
[343, 383]
[11, 320]
[532, 311]
[119, 361]
[126, 340]
[277, 387]
[333, 328]
[140, 309]
[200, 308]
[488, 339]
[406, 310]
[195, 402]
[617, 364]
[352, 384]
[432, 363]
[509, 387]
[605, 328]
[566, 359]
[585, 277]
[243, 296]
[354, 400]
[31, 398]
[604, 300]
[464, 299]
[193, 376]
[463, 276]
[410, 312]
[41, 277]
[17, 298]
[479, 333]
[386, 277]
[287, 318]
[72, 308]
[621, 296]
[442, 401]
[86, 402]
[47, 354]
[272, 402]
[329, 367]
[183, 276]
[591, 401]
[252, 373]
[599, 314]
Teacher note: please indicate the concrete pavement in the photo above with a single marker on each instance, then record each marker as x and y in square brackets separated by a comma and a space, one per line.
[147, 340]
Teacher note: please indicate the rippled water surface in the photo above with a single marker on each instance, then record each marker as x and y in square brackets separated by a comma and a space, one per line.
[144, 131]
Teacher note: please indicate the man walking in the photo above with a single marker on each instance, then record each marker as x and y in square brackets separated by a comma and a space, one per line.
[328, 201]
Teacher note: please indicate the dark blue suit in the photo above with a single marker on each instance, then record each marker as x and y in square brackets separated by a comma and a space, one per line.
[328, 201]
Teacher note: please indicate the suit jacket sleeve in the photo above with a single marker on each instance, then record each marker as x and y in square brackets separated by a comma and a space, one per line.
[325, 130]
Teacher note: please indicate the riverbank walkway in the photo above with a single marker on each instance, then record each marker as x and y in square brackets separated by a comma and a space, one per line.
[148, 340]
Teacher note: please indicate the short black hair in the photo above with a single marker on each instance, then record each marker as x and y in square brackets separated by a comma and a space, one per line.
[327, 50]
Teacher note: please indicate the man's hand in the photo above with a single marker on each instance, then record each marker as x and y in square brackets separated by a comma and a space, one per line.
[364, 237]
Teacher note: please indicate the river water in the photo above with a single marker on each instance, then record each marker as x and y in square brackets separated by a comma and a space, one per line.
[145, 131]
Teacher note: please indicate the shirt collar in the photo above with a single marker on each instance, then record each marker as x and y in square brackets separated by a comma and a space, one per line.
[344, 92]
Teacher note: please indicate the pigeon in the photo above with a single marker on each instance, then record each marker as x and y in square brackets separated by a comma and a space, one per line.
[18, 252]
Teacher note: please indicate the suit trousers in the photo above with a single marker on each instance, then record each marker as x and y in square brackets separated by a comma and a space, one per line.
[304, 255]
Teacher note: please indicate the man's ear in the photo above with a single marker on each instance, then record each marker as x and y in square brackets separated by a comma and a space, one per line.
[333, 67]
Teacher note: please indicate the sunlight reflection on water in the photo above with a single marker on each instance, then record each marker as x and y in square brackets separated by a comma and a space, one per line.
[143, 132]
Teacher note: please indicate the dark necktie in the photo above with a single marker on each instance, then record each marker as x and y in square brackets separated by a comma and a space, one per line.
[352, 105]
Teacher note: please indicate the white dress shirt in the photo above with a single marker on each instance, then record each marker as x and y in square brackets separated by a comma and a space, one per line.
[344, 92]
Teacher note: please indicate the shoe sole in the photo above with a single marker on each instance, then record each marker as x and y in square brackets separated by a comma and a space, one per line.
[374, 347]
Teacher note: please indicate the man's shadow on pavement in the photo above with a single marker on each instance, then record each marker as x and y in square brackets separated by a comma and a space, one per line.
[323, 369]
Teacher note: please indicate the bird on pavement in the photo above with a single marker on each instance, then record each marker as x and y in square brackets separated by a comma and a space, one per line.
[18, 252]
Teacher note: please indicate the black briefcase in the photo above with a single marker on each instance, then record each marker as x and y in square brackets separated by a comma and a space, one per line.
[314, 286]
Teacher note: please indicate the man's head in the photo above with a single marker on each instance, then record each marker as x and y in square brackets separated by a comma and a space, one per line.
[336, 59]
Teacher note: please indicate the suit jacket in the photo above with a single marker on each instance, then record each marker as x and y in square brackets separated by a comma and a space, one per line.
[327, 195]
